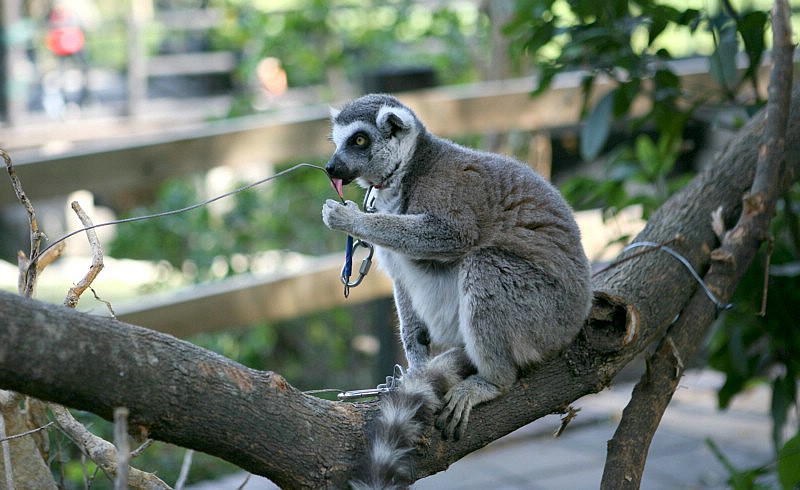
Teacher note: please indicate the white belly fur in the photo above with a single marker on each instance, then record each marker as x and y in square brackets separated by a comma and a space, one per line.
[434, 296]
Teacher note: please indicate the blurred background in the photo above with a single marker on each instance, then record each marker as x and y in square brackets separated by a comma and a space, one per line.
[142, 106]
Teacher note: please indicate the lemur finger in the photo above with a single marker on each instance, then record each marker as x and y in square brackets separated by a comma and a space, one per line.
[455, 414]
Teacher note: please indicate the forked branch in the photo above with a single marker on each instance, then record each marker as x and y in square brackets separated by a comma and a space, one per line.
[627, 450]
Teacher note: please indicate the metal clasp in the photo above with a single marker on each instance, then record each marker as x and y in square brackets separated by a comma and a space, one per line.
[347, 269]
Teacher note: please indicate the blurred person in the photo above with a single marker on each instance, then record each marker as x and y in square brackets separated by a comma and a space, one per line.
[272, 77]
[67, 88]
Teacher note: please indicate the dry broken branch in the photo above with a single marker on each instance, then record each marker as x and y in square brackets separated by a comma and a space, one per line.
[75, 292]
[102, 452]
[50, 256]
[26, 457]
[96, 448]
[27, 265]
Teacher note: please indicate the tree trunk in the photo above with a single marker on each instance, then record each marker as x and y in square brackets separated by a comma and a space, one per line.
[185, 395]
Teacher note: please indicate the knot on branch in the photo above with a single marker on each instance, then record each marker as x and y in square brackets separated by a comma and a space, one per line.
[754, 203]
[612, 324]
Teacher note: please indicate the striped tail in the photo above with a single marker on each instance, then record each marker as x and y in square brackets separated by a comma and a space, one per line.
[405, 414]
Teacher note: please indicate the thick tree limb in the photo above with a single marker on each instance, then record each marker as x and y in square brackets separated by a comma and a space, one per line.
[185, 395]
[175, 391]
[627, 450]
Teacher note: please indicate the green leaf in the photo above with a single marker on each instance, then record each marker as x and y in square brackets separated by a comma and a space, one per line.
[691, 18]
[723, 60]
[595, 131]
[738, 478]
[789, 463]
[625, 95]
[586, 91]
[782, 401]
[546, 74]
[734, 384]
[541, 35]
[752, 26]
[647, 154]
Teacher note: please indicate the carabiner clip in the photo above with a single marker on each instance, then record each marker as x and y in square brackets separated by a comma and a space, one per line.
[347, 269]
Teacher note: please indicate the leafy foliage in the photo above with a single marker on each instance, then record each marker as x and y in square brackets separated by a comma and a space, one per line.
[789, 463]
[624, 43]
[275, 216]
[317, 38]
[739, 479]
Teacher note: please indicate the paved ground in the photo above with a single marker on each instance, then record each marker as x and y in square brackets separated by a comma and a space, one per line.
[679, 458]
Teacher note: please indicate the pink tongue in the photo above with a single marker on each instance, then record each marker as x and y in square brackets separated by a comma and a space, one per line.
[337, 185]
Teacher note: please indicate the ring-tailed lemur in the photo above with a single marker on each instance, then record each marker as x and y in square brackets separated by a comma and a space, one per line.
[486, 261]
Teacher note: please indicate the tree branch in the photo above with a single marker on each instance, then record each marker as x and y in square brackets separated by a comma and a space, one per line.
[179, 393]
[175, 391]
[627, 450]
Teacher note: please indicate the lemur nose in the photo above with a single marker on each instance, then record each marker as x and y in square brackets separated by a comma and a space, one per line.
[330, 166]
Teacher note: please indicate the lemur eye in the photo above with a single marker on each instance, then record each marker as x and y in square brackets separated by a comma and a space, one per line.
[361, 140]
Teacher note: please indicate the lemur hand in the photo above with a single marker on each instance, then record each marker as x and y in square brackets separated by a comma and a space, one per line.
[338, 216]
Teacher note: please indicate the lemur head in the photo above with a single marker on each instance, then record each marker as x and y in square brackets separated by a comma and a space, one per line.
[375, 136]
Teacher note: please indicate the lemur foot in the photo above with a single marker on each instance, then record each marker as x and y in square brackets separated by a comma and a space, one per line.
[458, 403]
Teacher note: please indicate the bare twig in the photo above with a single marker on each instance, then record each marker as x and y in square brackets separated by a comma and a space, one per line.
[765, 286]
[185, 466]
[244, 483]
[107, 303]
[28, 269]
[26, 283]
[123, 447]
[568, 417]
[75, 292]
[113, 461]
[139, 450]
[50, 256]
[102, 452]
[628, 448]
[26, 433]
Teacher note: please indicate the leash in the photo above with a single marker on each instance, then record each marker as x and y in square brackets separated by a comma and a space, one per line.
[392, 383]
[351, 245]
[178, 211]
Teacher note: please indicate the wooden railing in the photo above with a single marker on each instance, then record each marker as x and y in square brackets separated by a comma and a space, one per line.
[139, 163]
[120, 170]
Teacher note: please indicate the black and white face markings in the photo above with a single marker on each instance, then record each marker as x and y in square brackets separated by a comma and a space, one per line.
[372, 144]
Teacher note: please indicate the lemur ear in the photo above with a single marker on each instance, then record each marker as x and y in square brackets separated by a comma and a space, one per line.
[392, 120]
[334, 112]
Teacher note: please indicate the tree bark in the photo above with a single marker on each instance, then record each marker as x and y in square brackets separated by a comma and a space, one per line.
[182, 394]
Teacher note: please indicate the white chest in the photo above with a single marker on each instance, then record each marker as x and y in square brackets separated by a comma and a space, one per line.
[384, 201]
[433, 291]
